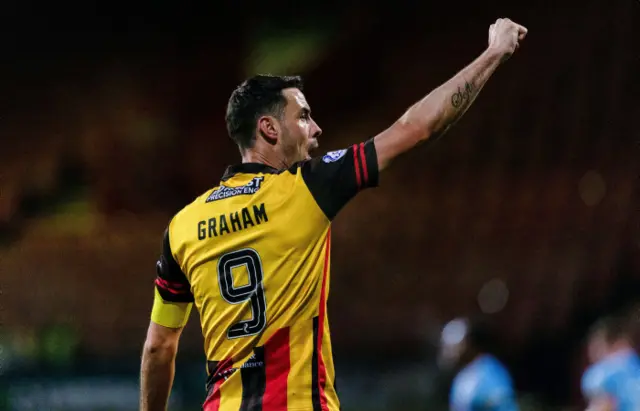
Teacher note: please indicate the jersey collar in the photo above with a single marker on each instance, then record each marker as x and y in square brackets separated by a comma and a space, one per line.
[248, 168]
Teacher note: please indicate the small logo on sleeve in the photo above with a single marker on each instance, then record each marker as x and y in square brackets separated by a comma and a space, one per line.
[332, 156]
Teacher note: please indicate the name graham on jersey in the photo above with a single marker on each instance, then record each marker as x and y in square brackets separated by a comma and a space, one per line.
[230, 223]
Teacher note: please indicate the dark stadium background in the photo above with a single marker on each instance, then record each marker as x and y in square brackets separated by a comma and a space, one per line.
[111, 118]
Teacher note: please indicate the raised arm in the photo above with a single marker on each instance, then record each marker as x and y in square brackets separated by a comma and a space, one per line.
[441, 108]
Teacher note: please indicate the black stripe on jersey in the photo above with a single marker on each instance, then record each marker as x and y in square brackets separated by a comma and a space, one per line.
[171, 282]
[218, 370]
[315, 386]
[337, 177]
[254, 381]
[212, 369]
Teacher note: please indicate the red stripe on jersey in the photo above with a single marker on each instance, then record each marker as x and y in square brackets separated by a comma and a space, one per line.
[277, 363]
[212, 403]
[165, 285]
[363, 161]
[170, 283]
[322, 371]
[356, 165]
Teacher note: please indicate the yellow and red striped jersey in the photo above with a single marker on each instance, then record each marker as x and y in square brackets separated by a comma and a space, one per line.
[253, 254]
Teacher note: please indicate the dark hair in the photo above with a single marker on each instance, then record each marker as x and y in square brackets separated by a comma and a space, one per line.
[613, 328]
[257, 96]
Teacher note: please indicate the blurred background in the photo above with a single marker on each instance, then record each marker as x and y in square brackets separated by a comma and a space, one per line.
[112, 118]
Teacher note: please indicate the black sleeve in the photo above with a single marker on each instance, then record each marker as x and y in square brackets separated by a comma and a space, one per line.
[171, 282]
[338, 176]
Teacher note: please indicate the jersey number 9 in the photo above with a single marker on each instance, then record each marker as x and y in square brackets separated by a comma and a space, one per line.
[252, 292]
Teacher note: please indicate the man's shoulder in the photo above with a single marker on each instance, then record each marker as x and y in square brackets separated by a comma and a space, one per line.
[466, 378]
[497, 367]
[191, 209]
[196, 202]
[596, 376]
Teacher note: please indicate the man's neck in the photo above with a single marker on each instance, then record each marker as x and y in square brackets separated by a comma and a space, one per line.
[271, 159]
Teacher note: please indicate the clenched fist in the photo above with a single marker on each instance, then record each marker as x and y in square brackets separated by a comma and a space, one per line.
[504, 37]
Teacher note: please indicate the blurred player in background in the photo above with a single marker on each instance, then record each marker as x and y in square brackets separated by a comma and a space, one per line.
[482, 382]
[253, 253]
[612, 382]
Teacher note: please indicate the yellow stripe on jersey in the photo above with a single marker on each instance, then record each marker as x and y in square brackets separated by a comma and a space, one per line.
[169, 314]
[299, 381]
[327, 357]
[231, 392]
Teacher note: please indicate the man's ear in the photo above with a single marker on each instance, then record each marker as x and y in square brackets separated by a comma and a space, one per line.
[269, 129]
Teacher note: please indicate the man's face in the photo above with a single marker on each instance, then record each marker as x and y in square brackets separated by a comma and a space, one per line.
[299, 134]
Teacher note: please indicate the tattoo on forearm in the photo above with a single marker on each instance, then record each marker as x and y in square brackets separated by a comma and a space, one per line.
[462, 96]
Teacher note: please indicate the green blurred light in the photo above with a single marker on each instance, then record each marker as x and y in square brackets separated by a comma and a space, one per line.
[284, 53]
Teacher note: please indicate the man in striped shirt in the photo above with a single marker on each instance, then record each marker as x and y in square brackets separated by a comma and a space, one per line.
[253, 252]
